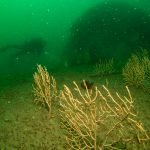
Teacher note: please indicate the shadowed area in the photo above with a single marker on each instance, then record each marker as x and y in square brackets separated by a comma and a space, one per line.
[110, 29]
[35, 46]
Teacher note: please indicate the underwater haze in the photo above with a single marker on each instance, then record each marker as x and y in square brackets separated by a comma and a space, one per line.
[23, 20]
[54, 22]
[74, 74]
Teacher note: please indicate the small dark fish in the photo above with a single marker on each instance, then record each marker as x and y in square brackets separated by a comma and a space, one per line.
[87, 83]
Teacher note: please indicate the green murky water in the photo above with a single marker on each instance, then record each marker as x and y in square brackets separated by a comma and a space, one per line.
[69, 37]
[75, 32]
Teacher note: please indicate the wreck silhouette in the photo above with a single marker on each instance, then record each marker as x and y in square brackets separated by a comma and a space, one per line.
[35, 47]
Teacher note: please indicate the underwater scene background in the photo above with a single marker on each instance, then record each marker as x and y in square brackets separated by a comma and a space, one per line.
[92, 48]
[22, 21]
[75, 32]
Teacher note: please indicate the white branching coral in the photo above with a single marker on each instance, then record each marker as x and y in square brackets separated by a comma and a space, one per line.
[137, 70]
[104, 67]
[44, 87]
[96, 120]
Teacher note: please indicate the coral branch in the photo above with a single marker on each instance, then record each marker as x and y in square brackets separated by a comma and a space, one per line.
[44, 87]
[94, 120]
